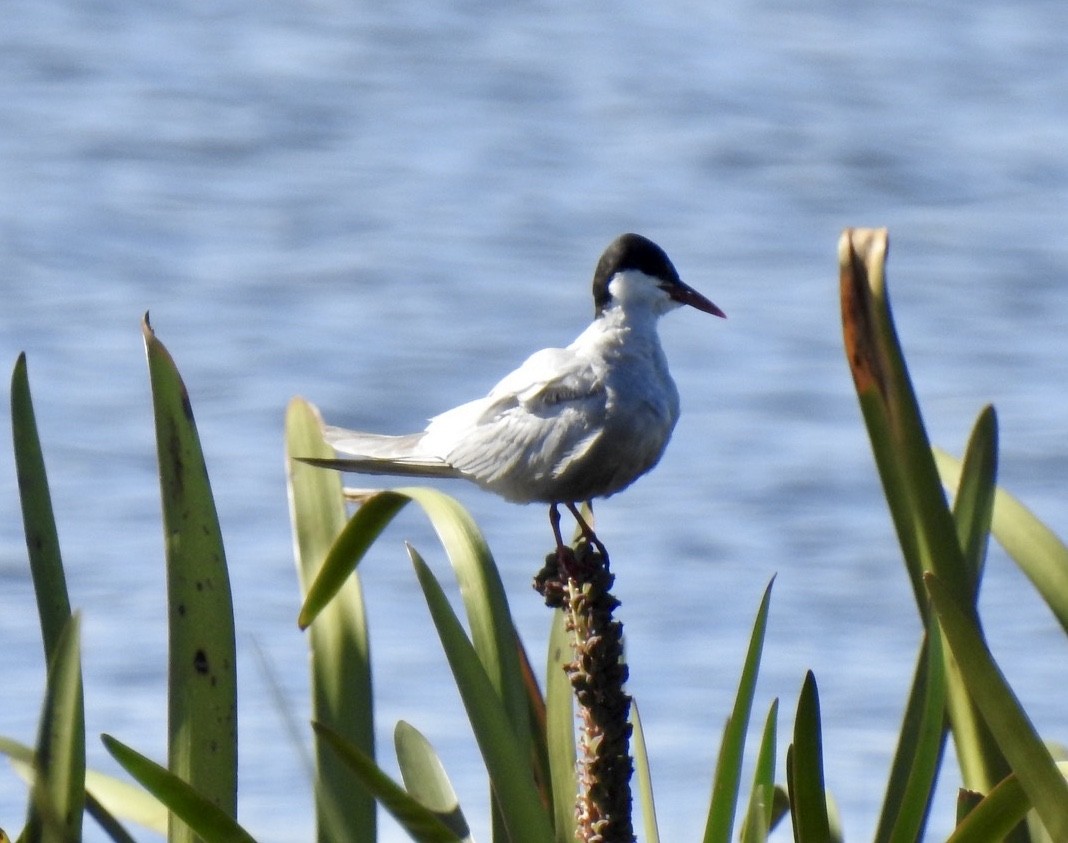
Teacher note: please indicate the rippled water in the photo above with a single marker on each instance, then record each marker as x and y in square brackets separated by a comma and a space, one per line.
[383, 209]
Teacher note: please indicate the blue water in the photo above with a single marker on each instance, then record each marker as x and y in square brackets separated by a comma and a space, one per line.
[382, 210]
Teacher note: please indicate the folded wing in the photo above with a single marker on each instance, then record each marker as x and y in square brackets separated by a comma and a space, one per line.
[531, 427]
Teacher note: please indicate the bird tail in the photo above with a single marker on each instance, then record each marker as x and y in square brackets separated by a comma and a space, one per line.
[373, 453]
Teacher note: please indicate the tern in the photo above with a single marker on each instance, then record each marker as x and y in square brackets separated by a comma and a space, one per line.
[570, 424]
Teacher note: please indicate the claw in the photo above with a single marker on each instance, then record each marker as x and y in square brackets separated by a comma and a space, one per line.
[587, 531]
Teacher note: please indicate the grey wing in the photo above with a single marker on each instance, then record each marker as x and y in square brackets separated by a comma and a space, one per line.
[531, 426]
[372, 453]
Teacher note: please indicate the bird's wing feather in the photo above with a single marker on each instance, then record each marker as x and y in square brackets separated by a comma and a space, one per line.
[523, 434]
[374, 453]
[530, 423]
[377, 466]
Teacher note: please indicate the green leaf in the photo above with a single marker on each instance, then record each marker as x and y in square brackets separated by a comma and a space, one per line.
[348, 550]
[488, 615]
[480, 585]
[981, 762]
[759, 814]
[57, 797]
[1034, 547]
[997, 813]
[42, 541]
[560, 729]
[537, 718]
[728, 773]
[645, 780]
[926, 528]
[1029, 758]
[111, 795]
[107, 822]
[967, 801]
[899, 440]
[919, 749]
[419, 821]
[202, 695]
[64, 736]
[973, 505]
[198, 812]
[341, 683]
[425, 778]
[804, 766]
[506, 755]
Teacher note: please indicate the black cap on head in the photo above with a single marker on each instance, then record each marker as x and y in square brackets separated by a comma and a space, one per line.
[630, 251]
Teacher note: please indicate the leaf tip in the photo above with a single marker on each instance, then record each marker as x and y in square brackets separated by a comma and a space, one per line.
[147, 333]
[18, 374]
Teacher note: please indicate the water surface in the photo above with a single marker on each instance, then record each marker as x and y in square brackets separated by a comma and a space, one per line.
[382, 210]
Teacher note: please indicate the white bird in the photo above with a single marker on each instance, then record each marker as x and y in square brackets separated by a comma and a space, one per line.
[570, 424]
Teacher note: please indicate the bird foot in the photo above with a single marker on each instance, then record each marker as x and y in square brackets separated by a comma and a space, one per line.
[567, 564]
[565, 556]
[587, 532]
[569, 568]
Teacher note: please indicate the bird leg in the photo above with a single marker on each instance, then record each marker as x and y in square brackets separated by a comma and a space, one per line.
[587, 530]
[554, 520]
[566, 559]
[565, 556]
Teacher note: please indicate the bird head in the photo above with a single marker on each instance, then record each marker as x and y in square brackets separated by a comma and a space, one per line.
[635, 273]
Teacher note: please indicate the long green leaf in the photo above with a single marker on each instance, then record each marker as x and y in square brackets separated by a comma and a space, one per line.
[925, 526]
[760, 811]
[899, 440]
[42, 540]
[113, 796]
[50, 587]
[425, 778]
[107, 821]
[197, 811]
[488, 616]
[919, 750]
[418, 820]
[507, 757]
[645, 779]
[480, 585]
[202, 695]
[1034, 547]
[724, 801]
[537, 718]
[126, 801]
[560, 729]
[997, 813]
[804, 766]
[1030, 759]
[981, 762]
[341, 680]
[492, 630]
[346, 552]
[973, 504]
[922, 741]
[57, 797]
[485, 602]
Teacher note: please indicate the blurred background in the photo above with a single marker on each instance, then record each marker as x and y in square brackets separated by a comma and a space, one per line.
[383, 209]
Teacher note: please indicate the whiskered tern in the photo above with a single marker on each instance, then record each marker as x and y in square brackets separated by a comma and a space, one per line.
[570, 424]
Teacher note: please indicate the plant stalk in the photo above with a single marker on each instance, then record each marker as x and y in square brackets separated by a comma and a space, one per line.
[578, 581]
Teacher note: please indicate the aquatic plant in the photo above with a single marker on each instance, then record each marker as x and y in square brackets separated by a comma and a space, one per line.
[545, 774]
